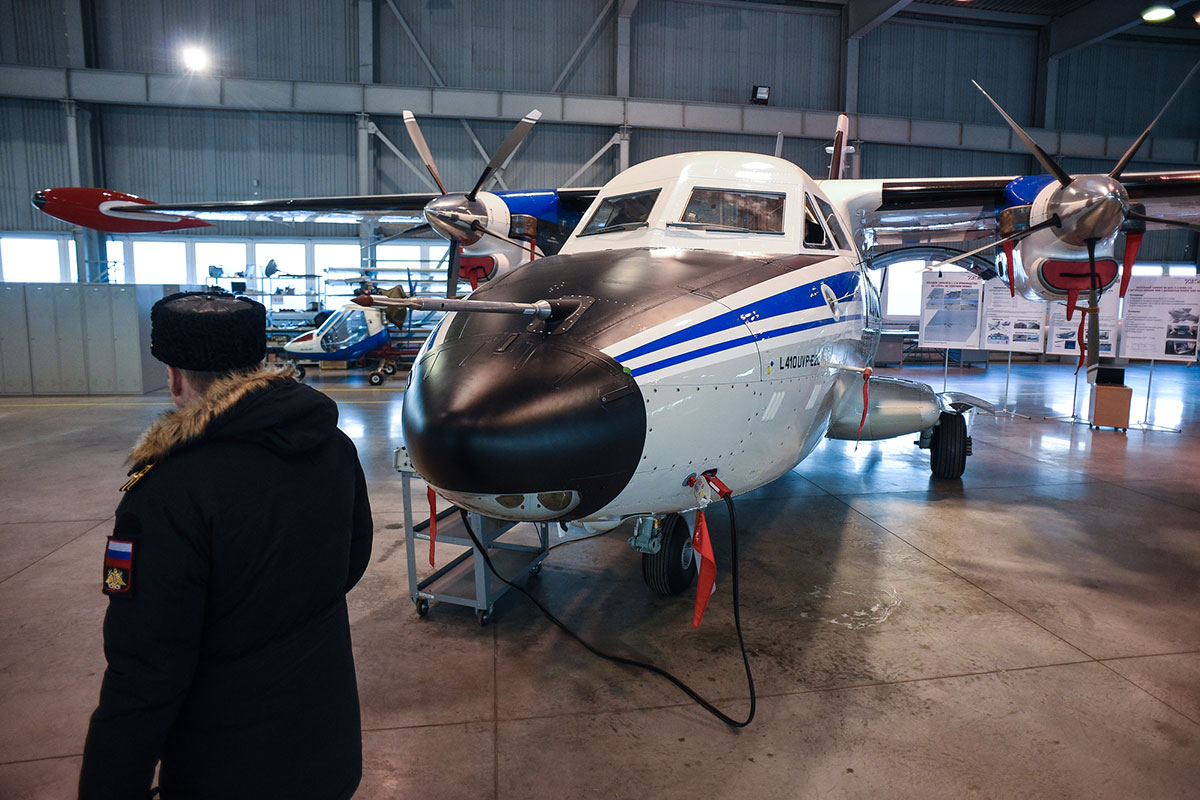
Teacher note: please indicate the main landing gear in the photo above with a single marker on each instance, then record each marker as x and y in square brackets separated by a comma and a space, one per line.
[668, 560]
[949, 445]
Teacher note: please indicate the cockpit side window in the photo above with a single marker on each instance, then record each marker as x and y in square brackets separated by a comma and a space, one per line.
[736, 211]
[622, 212]
[343, 329]
[814, 231]
[831, 222]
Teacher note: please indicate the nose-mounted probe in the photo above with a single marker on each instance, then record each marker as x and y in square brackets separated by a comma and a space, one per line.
[548, 310]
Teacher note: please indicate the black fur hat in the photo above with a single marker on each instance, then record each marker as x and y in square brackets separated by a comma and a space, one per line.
[208, 331]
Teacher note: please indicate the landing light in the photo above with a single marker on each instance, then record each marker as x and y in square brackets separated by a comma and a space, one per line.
[195, 59]
[1158, 13]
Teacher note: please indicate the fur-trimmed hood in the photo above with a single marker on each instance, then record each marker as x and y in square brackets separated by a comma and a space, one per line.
[265, 406]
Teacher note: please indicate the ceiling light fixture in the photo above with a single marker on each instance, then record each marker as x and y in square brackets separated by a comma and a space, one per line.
[1159, 13]
[195, 59]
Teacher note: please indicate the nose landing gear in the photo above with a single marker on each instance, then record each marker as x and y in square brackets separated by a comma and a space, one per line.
[671, 568]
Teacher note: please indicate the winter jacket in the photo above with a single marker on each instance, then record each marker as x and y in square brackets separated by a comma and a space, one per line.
[227, 635]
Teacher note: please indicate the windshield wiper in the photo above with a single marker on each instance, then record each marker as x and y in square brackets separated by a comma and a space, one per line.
[620, 226]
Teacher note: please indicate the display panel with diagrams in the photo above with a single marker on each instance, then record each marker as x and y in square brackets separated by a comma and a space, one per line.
[1064, 333]
[951, 305]
[1162, 316]
[1012, 324]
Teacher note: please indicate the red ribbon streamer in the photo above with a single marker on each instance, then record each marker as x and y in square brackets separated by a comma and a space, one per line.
[706, 584]
[432, 496]
[866, 399]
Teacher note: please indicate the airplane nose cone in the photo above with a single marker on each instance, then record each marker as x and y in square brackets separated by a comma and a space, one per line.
[524, 426]
[39, 200]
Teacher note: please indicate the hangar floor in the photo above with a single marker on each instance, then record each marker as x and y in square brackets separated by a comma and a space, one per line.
[1032, 630]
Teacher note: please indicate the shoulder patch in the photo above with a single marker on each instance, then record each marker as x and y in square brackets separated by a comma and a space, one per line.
[118, 566]
[129, 484]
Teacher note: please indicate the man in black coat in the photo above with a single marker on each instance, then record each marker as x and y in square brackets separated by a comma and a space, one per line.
[245, 523]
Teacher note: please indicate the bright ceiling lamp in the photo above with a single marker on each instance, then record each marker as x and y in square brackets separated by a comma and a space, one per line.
[1159, 13]
[195, 59]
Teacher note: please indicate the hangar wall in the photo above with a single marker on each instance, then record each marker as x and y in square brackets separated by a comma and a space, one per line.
[912, 66]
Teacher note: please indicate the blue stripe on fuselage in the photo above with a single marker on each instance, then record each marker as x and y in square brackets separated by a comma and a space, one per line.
[732, 343]
[801, 298]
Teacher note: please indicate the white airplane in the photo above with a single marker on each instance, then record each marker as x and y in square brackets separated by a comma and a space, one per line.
[706, 324]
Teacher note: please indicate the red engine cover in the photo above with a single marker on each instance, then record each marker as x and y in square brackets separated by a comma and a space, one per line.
[81, 205]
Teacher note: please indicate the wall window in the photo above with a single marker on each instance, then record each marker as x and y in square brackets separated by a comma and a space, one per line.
[902, 289]
[30, 260]
[114, 256]
[338, 268]
[160, 262]
[228, 257]
[1184, 271]
[286, 289]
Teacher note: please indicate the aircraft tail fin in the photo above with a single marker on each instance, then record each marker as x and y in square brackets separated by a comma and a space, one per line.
[837, 159]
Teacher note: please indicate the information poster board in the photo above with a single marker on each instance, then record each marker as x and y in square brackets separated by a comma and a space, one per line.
[951, 307]
[1064, 334]
[1012, 324]
[1161, 318]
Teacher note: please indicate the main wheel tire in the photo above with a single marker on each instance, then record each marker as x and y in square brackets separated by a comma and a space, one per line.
[948, 449]
[375, 378]
[389, 368]
[672, 568]
[299, 372]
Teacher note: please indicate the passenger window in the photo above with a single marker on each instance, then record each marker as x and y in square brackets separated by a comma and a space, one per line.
[622, 213]
[831, 221]
[733, 211]
[814, 232]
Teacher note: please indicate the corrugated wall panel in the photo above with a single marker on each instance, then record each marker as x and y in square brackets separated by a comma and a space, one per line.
[1137, 79]
[33, 156]
[184, 154]
[808, 154]
[898, 161]
[924, 70]
[32, 33]
[689, 51]
[521, 45]
[314, 40]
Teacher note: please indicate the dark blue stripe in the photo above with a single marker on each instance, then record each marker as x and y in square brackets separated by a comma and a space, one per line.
[801, 298]
[732, 343]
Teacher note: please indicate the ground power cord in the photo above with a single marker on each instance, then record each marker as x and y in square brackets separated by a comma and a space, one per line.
[629, 662]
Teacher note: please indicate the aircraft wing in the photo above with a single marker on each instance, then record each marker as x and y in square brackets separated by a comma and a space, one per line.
[385, 209]
[945, 210]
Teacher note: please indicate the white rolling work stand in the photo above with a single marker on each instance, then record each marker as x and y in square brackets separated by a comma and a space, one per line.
[466, 572]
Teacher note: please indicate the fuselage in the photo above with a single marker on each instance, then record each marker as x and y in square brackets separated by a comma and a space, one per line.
[724, 314]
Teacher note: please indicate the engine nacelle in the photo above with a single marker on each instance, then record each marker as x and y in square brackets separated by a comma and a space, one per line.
[896, 407]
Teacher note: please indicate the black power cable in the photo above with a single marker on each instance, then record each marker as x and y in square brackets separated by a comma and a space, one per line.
[629, 662]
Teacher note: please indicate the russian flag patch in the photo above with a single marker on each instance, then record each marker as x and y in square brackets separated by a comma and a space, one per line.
[118, 566]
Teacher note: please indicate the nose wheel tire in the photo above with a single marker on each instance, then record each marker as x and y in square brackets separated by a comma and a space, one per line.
[299, 372]
[949, 447]
[672, 568]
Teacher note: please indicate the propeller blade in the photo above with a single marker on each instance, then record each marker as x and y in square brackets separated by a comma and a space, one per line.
[452, 267]
[514, 139]
[418, 140]
[1175, 223]
[1053, 222]
[1030, 144]
[1093, 332]
[1133, 148]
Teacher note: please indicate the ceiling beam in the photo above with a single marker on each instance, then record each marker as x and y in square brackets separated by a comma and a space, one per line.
[1095, 22]
[867, 15]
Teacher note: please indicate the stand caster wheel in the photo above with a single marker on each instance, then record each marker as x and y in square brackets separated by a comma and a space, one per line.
[422, 606]
[483, 617]
[375, 378]
[390, 369]
[535, 569]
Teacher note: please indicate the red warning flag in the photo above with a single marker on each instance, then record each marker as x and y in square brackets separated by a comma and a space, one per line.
[706, 584]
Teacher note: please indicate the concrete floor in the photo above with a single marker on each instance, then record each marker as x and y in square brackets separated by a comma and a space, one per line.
[1032, 630]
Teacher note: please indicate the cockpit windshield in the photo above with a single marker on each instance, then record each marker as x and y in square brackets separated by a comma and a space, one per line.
[622, 212]
[733, 211]
[345, 328]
